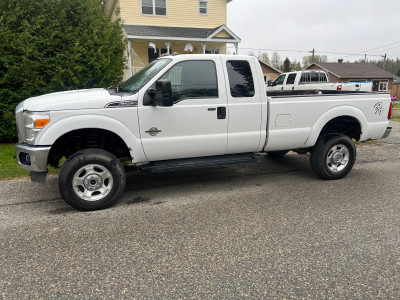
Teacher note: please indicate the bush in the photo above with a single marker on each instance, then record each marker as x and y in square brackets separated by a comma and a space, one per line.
[54, 45]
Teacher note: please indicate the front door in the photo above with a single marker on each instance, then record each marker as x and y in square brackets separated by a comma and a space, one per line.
[375, 84]
[196, 125]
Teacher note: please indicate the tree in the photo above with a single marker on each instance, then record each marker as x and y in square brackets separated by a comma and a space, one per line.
[276, 61]
[307, 60]
[296, 65]
[54, 45]
[398, 72]
[264, 57]
[286, 65]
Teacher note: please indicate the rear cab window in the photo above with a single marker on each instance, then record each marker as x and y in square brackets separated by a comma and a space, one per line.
[241, 81]
[291, 78]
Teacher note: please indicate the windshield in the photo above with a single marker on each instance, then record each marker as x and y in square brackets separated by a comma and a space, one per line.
[139, 79]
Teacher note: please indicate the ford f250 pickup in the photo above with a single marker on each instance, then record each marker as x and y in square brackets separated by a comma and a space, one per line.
[187, 111]
[313, 80]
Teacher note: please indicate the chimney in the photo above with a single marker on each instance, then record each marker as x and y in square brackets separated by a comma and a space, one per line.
[340, 60]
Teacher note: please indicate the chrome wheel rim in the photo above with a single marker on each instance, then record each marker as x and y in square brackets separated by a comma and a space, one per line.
[92, 182]
[338, 158]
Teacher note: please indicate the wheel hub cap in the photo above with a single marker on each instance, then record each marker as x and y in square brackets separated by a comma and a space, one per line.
[338, 158]
[92, 182]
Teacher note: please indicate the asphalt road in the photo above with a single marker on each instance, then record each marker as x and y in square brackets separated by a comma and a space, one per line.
[270, 230]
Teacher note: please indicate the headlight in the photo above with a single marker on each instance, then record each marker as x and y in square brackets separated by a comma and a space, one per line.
[34, 122]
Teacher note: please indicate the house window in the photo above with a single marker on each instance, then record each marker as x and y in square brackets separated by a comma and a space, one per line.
[203, 7]
[154, 7]
[240, 78]
[154, 54]
[383, 86]
[212, 51]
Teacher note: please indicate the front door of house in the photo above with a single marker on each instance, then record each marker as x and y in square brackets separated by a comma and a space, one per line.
[375, 83]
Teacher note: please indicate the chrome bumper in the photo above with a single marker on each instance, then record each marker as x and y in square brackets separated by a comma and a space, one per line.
[387, 132]
[32, 158]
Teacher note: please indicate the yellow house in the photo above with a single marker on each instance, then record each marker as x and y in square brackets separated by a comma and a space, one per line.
[156, 27]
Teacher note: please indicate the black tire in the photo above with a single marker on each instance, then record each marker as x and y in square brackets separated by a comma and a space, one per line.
[333, 156]
[91, 179]
[277, 154]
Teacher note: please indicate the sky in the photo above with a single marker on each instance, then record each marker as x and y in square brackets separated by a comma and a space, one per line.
[346, 29]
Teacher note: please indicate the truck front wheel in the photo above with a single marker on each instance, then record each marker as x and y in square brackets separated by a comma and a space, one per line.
[91, 179]
[333, 156]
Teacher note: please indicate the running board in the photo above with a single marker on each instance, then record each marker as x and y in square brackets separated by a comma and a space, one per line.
[199, 162]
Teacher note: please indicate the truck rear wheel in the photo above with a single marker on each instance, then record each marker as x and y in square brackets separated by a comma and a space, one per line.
[91, 179]
[333, 156]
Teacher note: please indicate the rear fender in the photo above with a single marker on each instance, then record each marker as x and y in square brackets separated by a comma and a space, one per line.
[333, 113]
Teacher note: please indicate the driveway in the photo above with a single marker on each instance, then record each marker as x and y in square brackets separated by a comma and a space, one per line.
[268, 230]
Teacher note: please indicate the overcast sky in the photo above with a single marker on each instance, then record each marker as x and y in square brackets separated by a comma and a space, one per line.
[341, 26]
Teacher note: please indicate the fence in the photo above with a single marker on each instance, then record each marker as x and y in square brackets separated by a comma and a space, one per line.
[396, 89]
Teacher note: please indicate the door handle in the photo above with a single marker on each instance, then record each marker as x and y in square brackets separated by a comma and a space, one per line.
[221, 112]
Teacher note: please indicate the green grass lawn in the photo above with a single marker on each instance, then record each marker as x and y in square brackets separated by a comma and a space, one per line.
[396, 105]
[8, 164]
[395, 119]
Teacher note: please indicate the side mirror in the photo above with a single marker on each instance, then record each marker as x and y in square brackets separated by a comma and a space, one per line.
[149, 97]
[269, 82]
[163, 96]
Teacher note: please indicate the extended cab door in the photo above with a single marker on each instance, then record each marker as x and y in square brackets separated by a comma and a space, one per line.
[290, 82]
[197, 123]
[244, 92]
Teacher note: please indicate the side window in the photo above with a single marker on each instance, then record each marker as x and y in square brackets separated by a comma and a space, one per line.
[314, 77]
[280, 80]
[291, 78]
[305, 77]
[240, 78]
[193, 79]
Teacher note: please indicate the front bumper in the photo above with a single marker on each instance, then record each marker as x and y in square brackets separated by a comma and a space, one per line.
[32, 158]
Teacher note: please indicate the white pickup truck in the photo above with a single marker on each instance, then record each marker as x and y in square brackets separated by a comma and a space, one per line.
[314, 80]
[187, 111]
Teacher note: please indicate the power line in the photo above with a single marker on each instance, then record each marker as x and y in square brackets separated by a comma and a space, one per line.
[380, 47]
[325, 52]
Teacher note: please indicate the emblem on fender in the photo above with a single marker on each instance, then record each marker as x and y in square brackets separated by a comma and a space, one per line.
[153, 131]
[378, 108]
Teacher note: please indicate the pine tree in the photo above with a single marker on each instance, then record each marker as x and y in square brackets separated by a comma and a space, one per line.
[286, 65]
[54, 45]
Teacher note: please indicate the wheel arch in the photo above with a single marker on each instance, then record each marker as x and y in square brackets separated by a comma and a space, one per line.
[347, 120]
[86, 125]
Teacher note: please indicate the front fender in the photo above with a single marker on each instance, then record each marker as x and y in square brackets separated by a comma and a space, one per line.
[333, 113]
[51, 133]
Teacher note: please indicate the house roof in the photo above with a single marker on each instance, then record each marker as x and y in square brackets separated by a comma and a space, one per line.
[354, 70]
[269, 66]
[179, 33]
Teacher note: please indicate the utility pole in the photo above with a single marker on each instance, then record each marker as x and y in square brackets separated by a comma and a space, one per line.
[313, 52]
[384, 61]
[365, 60]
